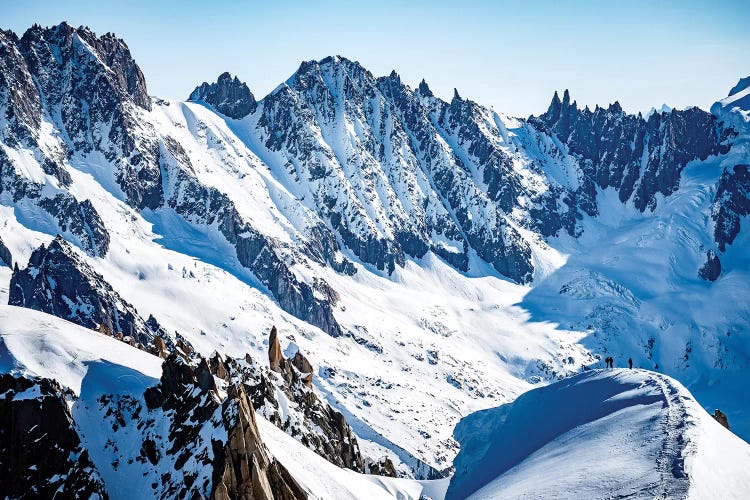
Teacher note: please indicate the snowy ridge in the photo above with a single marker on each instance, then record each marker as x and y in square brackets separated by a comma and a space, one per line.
[615, 434]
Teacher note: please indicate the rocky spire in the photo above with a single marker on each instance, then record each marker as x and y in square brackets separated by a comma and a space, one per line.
[248, 470]
[242, 466]
[424, 89]
[566, 98]
[553, 112]
[275, 356]
[229, 96]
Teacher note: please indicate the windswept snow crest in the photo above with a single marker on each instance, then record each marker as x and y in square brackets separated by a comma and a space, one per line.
[601, 434]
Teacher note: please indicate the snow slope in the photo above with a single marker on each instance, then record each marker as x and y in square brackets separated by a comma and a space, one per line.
[601, 434]
[87, 362]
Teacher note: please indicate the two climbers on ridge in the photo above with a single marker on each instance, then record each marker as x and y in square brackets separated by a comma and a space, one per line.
[609, 360]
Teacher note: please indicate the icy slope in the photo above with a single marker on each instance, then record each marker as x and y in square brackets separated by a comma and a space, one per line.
[601, 434]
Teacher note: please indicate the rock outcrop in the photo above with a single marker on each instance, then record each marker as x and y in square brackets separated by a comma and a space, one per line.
[246, 470]
[242, 467]
[731, 204]
[283, 394]
[41, 455]
[229, 96]
[720, 417]
[60, 282]
[275, 356]
[711, 269]
[5, 255]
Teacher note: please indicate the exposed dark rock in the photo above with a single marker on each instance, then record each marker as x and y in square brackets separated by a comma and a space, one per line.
[95, 87]
[711, 269]
[78, 219]
[382, 467]
[191, 458]
[5, 255]
[721, 418]
[82, 220]
[731, 203]
[40, 452]
[274, 351]
[424, 89]
[59, 282]
[228, 96]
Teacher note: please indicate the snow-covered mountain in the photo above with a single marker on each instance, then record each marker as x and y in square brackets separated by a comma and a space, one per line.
[429, 258]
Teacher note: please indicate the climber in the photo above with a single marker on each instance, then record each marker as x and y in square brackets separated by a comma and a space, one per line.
[630, 362]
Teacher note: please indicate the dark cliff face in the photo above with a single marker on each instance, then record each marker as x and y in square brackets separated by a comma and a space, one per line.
[59, 282]
[731, 204]
[5, 255]
[229, 96]
[40, 451]
[638, 157]
[183, 439]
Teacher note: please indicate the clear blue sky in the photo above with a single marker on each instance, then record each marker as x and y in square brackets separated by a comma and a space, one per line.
[510, 55]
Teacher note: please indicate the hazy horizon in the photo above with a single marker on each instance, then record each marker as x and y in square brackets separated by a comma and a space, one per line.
[507, 55]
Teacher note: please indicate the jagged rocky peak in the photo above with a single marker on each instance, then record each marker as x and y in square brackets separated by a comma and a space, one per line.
[60, 282]
[192, 440]
[229, 96]
[295, 369]
[283, 394]
[40, 450]
[613, 145]
[331, 72]
[248, 470]
[424, 89]
[49, 50]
